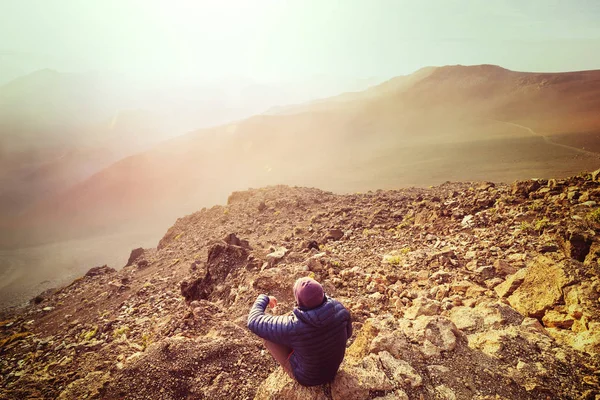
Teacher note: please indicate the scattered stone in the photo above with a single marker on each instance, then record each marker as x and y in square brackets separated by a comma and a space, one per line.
[523, 188]
[277, 255]
[422, 306]
[504, 268]
[334, 234]
[467, 221]
[440, 319]
[511, 283]
[233, 240]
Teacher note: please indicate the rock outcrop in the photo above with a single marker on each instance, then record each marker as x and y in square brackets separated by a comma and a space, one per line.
[462, 291]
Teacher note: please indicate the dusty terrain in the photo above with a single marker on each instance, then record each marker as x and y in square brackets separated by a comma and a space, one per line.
[465, 290]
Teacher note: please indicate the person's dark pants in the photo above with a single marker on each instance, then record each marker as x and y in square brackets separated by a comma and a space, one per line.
[281, 354]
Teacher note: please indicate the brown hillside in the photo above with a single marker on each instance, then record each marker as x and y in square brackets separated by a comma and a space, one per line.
[448, 123]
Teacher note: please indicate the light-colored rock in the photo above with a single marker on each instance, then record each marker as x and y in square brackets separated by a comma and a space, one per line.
[541, 289]
[401, 371]
[357, 381]
[393, 342]
[279, 385]
[423, 275]
[471, 265]
[445, 392]
[277, 255]
[586, 341]
[87, 387]
[460, 287]
[492, 283]
[467, 221]
[465, 318]
[422, 306]
[442, 333]
[511, 283]
[556, 319]
[362, 344]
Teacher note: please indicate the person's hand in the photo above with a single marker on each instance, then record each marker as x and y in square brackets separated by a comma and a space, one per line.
[272, 301]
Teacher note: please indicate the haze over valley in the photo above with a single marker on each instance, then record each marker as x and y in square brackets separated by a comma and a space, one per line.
[456, 123]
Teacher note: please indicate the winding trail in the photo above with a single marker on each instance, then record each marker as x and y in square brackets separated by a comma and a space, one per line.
[550, 142]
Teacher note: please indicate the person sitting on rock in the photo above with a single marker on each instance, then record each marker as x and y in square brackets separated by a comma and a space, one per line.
[311, 342]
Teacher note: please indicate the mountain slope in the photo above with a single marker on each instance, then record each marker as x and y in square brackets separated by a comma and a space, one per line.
[57, 129]
[465, 290]
[447, 123]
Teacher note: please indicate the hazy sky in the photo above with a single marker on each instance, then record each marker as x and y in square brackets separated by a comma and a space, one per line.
[280, 40]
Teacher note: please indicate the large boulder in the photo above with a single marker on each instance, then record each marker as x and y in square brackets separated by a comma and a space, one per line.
[484, 317]
[423, 306]
[358, 380]
[134, 256]
[223, 260]
[542, 287]
[280, 386]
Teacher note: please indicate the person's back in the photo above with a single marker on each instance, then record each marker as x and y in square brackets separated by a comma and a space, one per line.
[309, 344]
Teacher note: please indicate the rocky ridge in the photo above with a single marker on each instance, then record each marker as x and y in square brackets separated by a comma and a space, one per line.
[461, 291]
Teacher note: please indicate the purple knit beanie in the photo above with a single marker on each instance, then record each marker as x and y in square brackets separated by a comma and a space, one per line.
[308, 293]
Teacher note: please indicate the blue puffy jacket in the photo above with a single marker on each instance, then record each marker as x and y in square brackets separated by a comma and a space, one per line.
[317, 336]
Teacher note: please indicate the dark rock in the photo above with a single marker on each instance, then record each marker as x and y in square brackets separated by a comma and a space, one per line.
[577, 245]
[135, 254]
[262, 206]
[196, 289]
[223, 259]
[46, 294]
[100, 271]
[485, 272]
[547, 248]
[313, 244]
[233, 240]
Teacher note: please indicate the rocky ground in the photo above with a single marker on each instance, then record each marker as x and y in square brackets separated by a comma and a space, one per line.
[461, 291]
